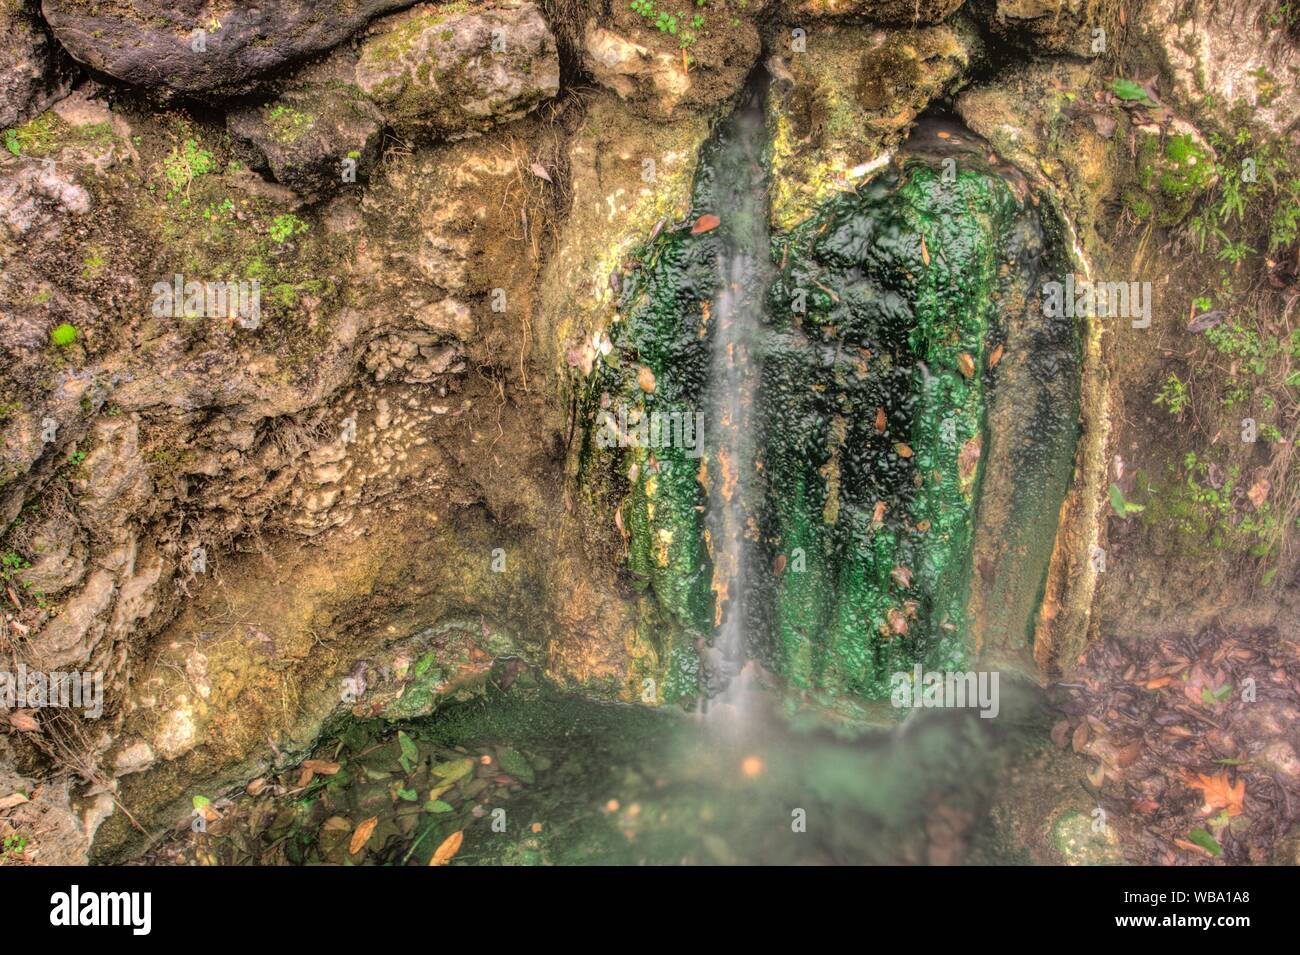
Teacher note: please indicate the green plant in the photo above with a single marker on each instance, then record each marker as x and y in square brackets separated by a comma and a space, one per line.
[286, 226]
[184, 164]
[1174, 395]
[14, 845]
[1120, 506]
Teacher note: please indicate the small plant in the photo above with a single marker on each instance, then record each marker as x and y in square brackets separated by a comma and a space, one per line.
[65, 335]
[14, 845]
[1123, 507]
[284, 227]
[184, 164]
[1174, 395]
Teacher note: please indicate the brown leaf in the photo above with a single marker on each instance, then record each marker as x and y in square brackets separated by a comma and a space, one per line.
[450, 846]
[904, 451]
[706, 223]
[902, 576]
[969, 457]
[1258, 492]
[13, 799]
[778, 565]
[645, 378]
[881, 420]
[361, 835]
[322, 766]
[1061, 733]
[966, 365]
[897, 622]
[878, 513]
[1080, 738]
[539, 171]
[925, 252]
[256, 786]
[23, 721]
[996, 355]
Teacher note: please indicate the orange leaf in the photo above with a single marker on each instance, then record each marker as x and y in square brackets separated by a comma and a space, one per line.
[903, 450]
[881, 420]
[996, 356]
[322, 766]
[925, 253]
[966, 365]
[450, 846]
[361, 835]
[706, 223]
[1219, 793]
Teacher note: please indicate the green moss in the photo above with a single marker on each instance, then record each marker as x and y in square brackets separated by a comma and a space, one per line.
[64, 335]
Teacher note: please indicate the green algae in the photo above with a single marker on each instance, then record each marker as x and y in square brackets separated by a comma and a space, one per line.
[882, 316]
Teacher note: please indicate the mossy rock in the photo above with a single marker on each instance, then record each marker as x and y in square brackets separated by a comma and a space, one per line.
[1173, 169]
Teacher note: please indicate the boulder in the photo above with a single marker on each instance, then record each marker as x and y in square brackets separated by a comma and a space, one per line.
[314, 140]
[199, 46]
[456, 74]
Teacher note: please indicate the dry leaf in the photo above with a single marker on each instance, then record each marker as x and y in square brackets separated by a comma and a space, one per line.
[925, 253]
[1219, 793]
[966, 365]
[322, 766]
[996, 355]
[1061, 733]
[706, 223]
[778, 565]
[13, 799]
[902, 576]
[645, 378]
[1258, 492]
[361, 835]
[878, 514]
[904, 451]
[23, 721]
[880, 420]
[450, 846]
[897, 622]
[256, 786]
[1080, 738]
[540, 172]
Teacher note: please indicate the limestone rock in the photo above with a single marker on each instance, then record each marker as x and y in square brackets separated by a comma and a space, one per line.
[847, 99]
[1078, 27]
[458, 74]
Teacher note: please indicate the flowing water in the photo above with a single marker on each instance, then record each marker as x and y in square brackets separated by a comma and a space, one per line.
[744, 271]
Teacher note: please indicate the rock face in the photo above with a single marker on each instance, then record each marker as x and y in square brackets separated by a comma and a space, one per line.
[1077, 27]
[850, 94]
[657, 78]
[1231, 51]
[314, 140]
[911, 12]
[33, 71]
[457, 74]
[198, 46]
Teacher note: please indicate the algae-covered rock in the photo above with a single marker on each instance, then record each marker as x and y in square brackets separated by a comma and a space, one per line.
[846, 98]
[314, 140]
[1174, 167]
[34, 72]
[871, 409]
[198, 46]
[457, 71]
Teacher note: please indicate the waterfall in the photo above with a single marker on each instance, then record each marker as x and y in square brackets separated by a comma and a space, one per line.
[744, 272]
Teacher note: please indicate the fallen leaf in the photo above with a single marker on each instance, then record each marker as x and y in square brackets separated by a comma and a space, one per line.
[1258, 492]
[925, 253]
[996, 355]
[1205, 321]
[255, 787]
[23, 721]
[897, 622]
[881, 420]
[706, 223]
[778, 565]
[878, 513]
[966, 365]
[1080, 738]
[540, 172]
[904, 451]
[13, 799]
[450, 846]
[645, 378]
[1219, 793]
[902, 576]
[361, 835]
[1061, 733]
[322, 766]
